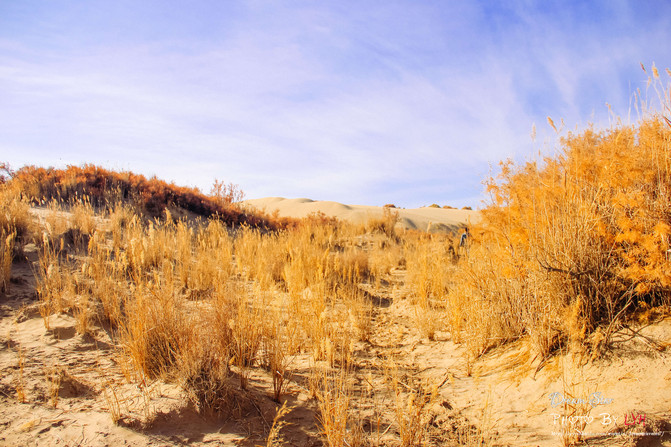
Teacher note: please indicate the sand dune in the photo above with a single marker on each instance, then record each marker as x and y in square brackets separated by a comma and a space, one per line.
[427, 218]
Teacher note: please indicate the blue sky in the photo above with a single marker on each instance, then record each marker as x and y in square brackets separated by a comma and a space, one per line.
[362, 102]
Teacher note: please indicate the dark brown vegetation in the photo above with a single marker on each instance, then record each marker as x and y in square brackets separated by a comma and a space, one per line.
[103, 188]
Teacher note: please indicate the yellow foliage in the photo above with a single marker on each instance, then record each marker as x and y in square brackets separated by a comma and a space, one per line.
[569, 243]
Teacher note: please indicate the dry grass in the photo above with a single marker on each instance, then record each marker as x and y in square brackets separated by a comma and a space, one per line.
[386, 224]
[19, 379]
[334, 395]
[430, 263]
[204, 306]
[567, 248]
[16, 228]
[412, 403]
[6, 256]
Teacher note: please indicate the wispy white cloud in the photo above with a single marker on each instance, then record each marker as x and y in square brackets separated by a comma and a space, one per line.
[333, 101]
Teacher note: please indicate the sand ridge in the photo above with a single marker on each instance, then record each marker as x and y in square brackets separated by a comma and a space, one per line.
[425, 218]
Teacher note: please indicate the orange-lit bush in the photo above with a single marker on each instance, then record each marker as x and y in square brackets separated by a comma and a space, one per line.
[570, 246]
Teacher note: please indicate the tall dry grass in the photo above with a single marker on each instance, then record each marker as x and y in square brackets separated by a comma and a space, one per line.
[16, 228]
[334, 396]
[204, 305]
[430, 265]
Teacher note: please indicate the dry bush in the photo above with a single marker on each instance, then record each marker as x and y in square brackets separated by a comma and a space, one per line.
[247, 333]
[413, 400]
[347, 268]
[412, 415]
[205, 378]
[226, 194]
[112, 401]
[152, 197]
[212, 260]
[384, 257]
[208, 352]
[385, 224]
[6, 256]
[120, 216]
[260, 257]
[360, 311]
[570, 244]
[155, 329]
[278, 347]
[55, 283]
[83, 217]
[55, 222]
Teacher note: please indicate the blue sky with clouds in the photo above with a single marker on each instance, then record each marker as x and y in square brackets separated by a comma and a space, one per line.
[364, 102]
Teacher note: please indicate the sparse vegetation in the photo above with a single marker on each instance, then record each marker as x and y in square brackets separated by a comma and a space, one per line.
[568, 249]
[205, 307]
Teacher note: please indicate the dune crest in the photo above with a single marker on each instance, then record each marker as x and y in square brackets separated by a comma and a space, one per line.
[426, 218]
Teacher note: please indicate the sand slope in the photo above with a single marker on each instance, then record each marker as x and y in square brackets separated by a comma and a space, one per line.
[433, 219]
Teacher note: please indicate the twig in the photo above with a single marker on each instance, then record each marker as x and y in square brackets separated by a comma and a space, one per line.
[650, 341]
[447, 377]
[260, 413]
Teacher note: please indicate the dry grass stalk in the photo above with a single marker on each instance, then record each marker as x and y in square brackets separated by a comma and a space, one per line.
[275, 438]
[6, 257]
[334, 394]
[54, 376]
[112, 401]
[20, 381]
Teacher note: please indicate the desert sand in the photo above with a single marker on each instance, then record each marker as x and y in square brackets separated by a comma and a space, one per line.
[426, 218]
[58, 387]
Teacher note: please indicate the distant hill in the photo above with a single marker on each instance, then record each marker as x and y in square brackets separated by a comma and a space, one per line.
[424, 219]
[103, 188]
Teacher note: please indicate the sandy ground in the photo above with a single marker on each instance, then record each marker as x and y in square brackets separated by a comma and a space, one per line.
[433, 219]
[72, 384]
[58, 387]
